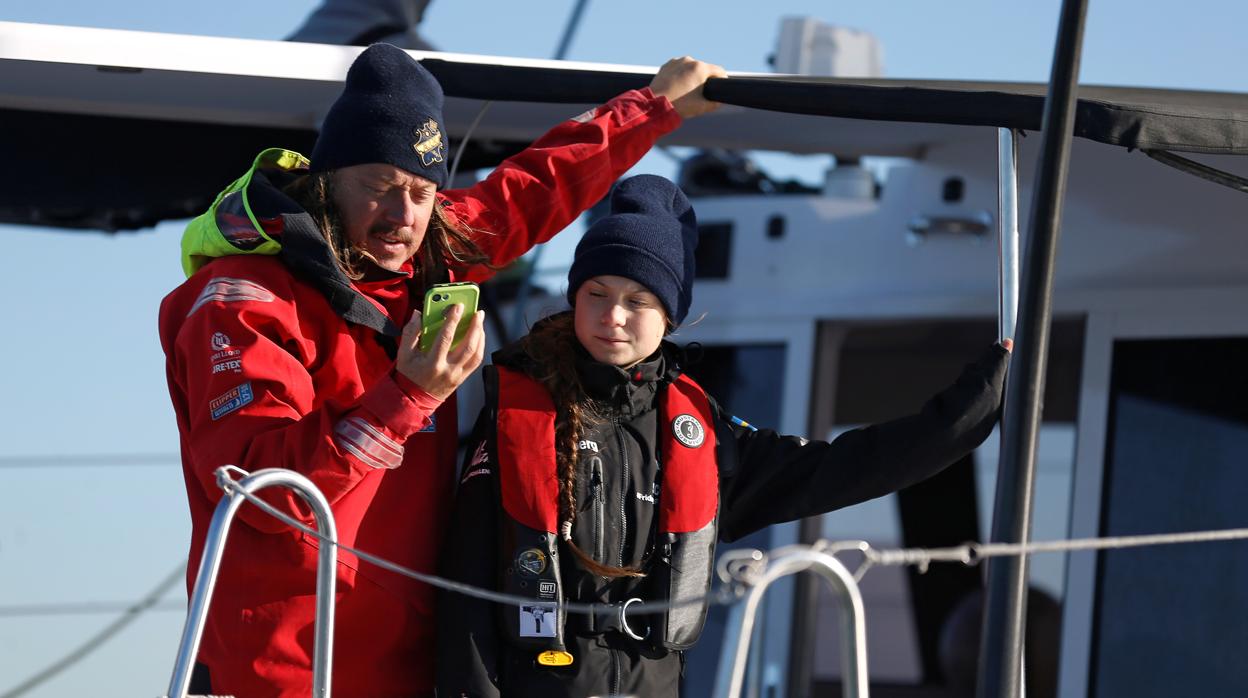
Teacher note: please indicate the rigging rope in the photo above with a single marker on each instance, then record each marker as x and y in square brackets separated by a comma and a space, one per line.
[972, 553]
[723, 595]
[738, 568]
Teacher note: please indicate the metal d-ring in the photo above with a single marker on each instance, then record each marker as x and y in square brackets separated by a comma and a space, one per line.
[624, 620]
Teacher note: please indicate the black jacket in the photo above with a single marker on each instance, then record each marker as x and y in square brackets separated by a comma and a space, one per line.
[765, 478]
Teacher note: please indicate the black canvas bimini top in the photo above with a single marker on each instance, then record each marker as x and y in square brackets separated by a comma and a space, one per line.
[844, 117]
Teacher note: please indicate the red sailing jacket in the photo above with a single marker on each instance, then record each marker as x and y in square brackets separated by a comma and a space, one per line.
[263, 373]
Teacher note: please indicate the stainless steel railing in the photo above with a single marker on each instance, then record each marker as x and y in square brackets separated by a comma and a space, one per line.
[210, 564]
[731, 675]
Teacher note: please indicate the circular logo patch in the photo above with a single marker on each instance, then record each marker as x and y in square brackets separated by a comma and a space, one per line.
[531, 563]
[220, 341]
[688, 430]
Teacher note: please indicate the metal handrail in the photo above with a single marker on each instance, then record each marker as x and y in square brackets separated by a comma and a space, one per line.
[853, 621]
[210, 564]
[1007, 232]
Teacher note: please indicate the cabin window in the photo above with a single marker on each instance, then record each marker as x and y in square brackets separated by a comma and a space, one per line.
[1172, 616]
[714, 252]
[951, 191]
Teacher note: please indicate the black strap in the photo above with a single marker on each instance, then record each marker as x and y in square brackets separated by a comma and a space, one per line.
[1199, 169]
[611, 618]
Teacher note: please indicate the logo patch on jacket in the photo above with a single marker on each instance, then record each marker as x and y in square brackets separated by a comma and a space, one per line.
[531, 563]
[429, 144]
[688, 430]
[230, 401]
[432, 426]
[220, 340]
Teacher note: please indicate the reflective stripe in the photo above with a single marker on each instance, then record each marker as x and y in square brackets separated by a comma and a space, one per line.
[228, 290]
[367, 443]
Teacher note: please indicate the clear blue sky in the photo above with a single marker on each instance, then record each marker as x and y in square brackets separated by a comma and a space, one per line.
[84, 372]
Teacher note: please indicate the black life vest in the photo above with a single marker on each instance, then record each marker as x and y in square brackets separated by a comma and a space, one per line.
[684, 552]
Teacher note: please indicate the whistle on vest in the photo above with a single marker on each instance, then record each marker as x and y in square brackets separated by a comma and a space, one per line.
[554, 658]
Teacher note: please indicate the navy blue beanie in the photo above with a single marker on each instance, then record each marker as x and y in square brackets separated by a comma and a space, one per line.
[648, 237]
[390, 111]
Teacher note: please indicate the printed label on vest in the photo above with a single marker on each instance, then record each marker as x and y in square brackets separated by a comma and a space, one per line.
[587, 445]
[537, 620]
[688, 430]
[547, 590]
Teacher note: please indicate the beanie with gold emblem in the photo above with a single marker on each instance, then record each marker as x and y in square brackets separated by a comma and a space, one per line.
[390, 111]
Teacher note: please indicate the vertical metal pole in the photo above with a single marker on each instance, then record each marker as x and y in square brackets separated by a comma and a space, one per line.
[1001, 656]
[854, 677]
[210, 564]
[1007, 232]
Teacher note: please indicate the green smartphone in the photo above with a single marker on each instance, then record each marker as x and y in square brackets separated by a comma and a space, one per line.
[438, 299]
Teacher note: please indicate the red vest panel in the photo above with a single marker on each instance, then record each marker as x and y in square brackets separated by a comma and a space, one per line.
[528, 474]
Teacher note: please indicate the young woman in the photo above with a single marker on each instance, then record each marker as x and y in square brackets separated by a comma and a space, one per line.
[599, 472]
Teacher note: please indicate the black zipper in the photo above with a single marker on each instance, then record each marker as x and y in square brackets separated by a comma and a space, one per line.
[600, 524]
[625, 486]
[615, 672]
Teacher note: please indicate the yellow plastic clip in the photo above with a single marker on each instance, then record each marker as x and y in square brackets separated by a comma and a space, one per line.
[554, 658]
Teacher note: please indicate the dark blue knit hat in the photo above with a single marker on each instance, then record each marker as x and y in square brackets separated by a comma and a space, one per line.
[648, 237]
[390, 111]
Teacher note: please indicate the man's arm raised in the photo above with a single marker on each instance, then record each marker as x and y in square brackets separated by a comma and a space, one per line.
[537, 193]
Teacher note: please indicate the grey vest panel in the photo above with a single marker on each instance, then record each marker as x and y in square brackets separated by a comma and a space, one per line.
[682, 572]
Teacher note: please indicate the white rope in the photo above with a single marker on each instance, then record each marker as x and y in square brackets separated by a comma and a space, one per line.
[739, 568]
[721, 596]
[972, 553]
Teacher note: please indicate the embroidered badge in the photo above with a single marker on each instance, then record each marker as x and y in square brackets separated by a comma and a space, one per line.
[688, 430]
[537, 620]
[230, 401]
[531, 563]
[429, 144]
[220, 341]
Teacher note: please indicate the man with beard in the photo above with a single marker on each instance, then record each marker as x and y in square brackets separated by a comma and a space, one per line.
[294, 344]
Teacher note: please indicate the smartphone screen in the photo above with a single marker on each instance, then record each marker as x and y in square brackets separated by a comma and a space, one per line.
[438, 299]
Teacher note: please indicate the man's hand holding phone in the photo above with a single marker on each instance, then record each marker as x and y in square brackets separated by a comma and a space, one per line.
[443, 368]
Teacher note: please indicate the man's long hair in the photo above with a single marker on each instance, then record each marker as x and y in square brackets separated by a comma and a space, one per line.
[445, 243]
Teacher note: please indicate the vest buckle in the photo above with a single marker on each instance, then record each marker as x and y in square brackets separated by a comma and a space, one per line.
[615, 617]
